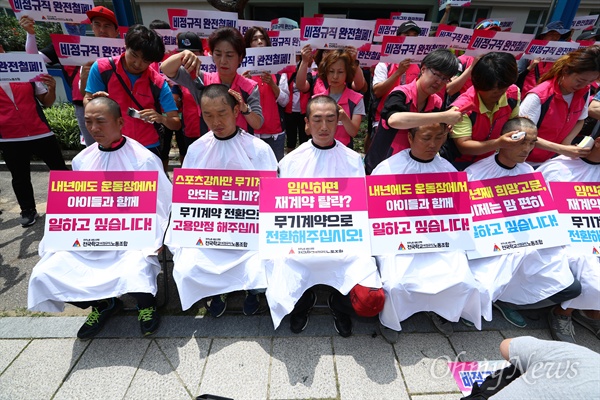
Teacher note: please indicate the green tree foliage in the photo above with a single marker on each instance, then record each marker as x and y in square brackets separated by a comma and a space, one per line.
[12, 36]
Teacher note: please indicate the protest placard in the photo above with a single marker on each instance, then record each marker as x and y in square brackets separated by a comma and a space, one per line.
[313, 216]
[406, 16]
[72, 11]
[584, 21]
[578, 204]
[397, 48]
[548, 50]
[21, 67]
[79, 50]
[289, 38]
[466, 373]
[334, 33]
[267, 59]
[513, 213]
[368, 55]
[89, 210]
[460, 37]
[419, 213]
[389, 27]
[202, 22]
[483, 42]
[453, 3]
[216, 208]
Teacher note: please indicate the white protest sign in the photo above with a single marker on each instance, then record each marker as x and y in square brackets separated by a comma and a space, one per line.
[333, 33]
[21, 67]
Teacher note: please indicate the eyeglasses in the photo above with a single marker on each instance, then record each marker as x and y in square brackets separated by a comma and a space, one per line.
[488, 24]
[439, 76]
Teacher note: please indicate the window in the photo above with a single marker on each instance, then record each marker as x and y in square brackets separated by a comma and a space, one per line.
[468, 17]
[535, 21]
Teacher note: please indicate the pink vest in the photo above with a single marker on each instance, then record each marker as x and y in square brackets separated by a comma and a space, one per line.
[24, 117]
[270, 107]
[533, 76]
[557, 119]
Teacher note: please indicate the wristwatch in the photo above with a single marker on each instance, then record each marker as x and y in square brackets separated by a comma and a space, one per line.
[248, 111]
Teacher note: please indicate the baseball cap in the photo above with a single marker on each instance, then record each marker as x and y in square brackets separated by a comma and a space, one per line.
[489, 25]
[189, 41]
[590, 34]
[101, 11]
[373, 304]
[554, 26]
[408, 26]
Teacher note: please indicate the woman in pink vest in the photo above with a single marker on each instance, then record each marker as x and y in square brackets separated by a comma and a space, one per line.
[274, 96]
[412, 105]
[335, 75]
[559, 104]
[228, 50]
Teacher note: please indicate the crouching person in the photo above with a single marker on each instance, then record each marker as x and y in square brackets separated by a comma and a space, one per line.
[354, 280]
[97, 278]
[439, 283]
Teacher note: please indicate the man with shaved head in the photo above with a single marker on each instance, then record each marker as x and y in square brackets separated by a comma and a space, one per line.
[97, 278]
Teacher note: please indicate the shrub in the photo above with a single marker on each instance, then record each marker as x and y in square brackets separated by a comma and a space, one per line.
[12, 36]
[62, 121]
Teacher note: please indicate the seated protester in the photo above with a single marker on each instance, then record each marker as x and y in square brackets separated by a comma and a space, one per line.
[354, 279]
[388, 76]
[530, 71]
[530, 278]
[439, 283]
[200, 272]
[97, 278]
[412, 105]
[335, 77]
[274, 96]
[559, 104]
[585, 267]
[228, 50]
[129, 81]
[488, 104]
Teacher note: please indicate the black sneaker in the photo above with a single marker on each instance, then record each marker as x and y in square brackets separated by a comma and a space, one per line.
[98, 317]
[149, 320]
[216, 306]
[28, 217]
[251, 304]
[341, 321]
[299, 320]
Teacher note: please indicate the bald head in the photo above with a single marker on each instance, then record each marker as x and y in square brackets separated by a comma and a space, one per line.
[112, 107]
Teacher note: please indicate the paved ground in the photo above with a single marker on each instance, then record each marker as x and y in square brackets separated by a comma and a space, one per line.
[234, 356]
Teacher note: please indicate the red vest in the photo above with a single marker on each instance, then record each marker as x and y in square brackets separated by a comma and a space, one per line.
[466, 62]
[240, 84]
[557, 119]
[290, 72]
[482, 128]
[73, 76]
[146, 91]
[411, 74]
[190, 111]
[434, 104]
[270, 108]
[533, 77]
[23, 118]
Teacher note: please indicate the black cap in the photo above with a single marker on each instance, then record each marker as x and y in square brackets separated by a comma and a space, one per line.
[189, 41]
[590, 34]
[408, 26]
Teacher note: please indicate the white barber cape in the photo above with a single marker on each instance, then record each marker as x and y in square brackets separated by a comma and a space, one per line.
[201, 273]
[439, 282]
[585, 267]
[526, 276]
[73, 276]
[289, 277]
